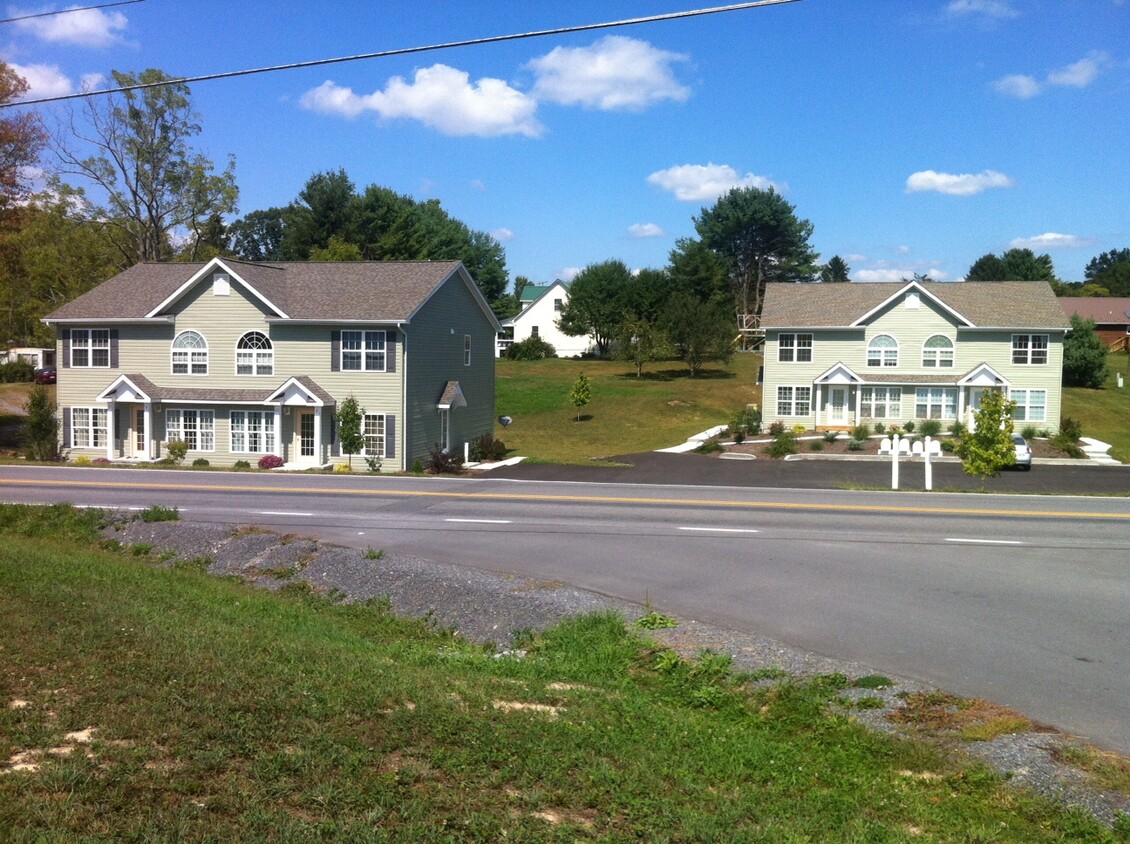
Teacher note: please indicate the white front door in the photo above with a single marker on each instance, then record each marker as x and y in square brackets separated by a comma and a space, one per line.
[304, 436]
[837, 406]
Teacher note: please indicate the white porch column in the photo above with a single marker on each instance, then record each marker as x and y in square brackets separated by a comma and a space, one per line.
[961, 403]
[318, 435]
[278, 452]
[859, 404]
[111, 409]
[818, 391]
[148, 430]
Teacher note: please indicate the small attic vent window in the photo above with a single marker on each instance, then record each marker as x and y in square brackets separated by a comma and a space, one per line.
[912, 299]
[221, 285]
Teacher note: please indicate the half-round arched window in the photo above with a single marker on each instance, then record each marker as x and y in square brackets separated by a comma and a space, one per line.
[883, 350]
[190, 354]
[254, 354]
[937, 352]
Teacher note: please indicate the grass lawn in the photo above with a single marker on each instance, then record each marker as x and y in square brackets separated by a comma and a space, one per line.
[626, 414]
[161, 704]
[1105, 413]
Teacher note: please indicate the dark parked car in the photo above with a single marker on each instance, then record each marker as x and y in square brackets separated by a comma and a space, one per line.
[47, 375]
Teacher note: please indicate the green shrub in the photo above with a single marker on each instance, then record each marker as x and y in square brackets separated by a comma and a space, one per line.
[1070, 429]
[856, 445]
[745, 423]
[176, 450]
[441, 462]
[880, 428]
[1029, 432]
[201, 463]
[957, 428]
[532, 348]
[417, 467]
[40, 436]
[816, 445]
[860, 432]
[830, 436]
[909, 426]
[930, 428]
[947, 446]
[486, 447]
[16, 372]
[777, 428]
[241, 464]
[709, 447]
[783, 445]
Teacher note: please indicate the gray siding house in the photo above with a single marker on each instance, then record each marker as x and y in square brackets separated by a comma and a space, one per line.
[838, 355]
[243, 359]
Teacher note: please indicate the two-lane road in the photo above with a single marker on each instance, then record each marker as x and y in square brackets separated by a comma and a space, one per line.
[1023, 600]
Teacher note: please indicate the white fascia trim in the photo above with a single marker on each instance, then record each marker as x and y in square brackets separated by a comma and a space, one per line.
[212, 266]
[108, 394]
[913, 285]
[396, 323]
[847, 370]
[278, 395]
[161, 320]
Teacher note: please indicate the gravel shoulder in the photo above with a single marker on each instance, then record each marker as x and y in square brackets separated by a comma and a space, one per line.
[491, 609]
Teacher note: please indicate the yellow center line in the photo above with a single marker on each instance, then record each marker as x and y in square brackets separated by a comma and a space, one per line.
[586, 499]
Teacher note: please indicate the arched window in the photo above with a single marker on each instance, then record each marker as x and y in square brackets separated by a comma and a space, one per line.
[190, 354]
[937, 352]
[883, 350]
[254, 355]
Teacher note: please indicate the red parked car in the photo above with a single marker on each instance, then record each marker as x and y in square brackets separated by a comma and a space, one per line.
[47, 375]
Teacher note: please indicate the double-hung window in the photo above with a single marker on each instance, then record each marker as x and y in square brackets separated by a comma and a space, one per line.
[1031, 405]
[883, 350]
[88, 427]
[794, 401]
[794, 348]
[937, 352]
[196, 427]
[881, 402]
[90, 347]
[190, 354]
[1030, 348]
[254, 354]
[373, 434]
[363, 351]
[253, 431]
[935, 403]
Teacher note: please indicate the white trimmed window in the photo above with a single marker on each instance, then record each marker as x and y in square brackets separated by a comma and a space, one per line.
[190, 354]
[881, 402]
[883, 350]
[935, 403]
[794, 348]
[88, 427]
[466, 349]
[195, 427]
[1031, 405]
[90, 347]
[254, 354]
[253, 432]
[938, 352]
[373, 433]
[1030, 348]
[362, 351]
[794, 401]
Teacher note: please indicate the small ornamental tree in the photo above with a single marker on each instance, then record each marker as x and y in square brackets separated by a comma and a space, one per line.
[988, 448]
[349, 417]
[41, 431]
[581, 394]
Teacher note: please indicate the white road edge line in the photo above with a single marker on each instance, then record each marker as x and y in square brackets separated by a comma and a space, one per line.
[721, 530]
[281, 513]
[482, 521]
[985, 541]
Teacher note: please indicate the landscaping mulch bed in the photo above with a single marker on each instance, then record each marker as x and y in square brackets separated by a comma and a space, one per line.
[816, 444]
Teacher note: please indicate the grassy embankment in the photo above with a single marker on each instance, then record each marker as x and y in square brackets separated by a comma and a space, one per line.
[1105, 413]
[162, 704]
[626, 415]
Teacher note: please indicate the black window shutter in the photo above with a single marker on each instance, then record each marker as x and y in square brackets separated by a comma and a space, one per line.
[335, 443]
[390, 435]
[66, 427]
[335, 351]
[390, 351]
[113, 348]
[66, 348]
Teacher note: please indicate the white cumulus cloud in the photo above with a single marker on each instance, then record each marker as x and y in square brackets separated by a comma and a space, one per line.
[1018, 85]
[44, 80]
[615, 73]
[441, 97]
[1050, 240]
[641, 230]
[568, 273]
[956, 184]
[85, 27]
[502, 235]
[699, 182]
[897, 274]
[1078, 74]
[988, 8]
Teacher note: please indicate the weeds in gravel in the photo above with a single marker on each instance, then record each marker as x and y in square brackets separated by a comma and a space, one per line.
[158, 513]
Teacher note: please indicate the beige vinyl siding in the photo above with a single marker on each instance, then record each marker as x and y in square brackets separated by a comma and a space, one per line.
[435, 356]
[995, 349]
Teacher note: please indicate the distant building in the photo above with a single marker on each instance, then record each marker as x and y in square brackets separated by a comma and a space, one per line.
[541, 308]
[1111, 316]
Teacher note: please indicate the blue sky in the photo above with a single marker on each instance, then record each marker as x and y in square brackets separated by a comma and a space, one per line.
[916, 136]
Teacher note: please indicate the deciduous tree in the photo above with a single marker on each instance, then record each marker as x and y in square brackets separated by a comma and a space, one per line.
[699, 331]
[580, 394]
[988, 448]
[1013, 265]
[21, 139]
[596, 303]
[1110, 270]
[152, 186]
[640, 341]
[350, 415]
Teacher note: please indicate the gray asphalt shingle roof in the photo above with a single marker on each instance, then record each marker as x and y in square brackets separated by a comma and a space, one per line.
[987, 304]
[366, 291]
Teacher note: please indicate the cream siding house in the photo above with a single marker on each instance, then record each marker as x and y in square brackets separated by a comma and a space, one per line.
[541, 308]
[839, 355]
[243, 359]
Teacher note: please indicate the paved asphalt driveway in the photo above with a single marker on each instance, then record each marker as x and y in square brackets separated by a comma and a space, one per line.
[1061, 477]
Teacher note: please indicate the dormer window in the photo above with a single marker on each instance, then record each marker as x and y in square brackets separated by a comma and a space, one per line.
[190, 354]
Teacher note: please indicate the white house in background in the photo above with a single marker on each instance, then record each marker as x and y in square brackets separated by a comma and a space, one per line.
[39, 358]
[541, 307]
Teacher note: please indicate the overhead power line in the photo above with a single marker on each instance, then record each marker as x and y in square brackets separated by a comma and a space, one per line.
[68, 11]
[404, 51]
